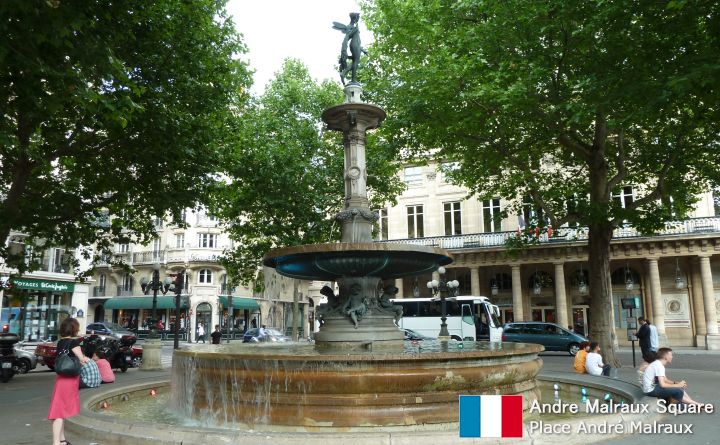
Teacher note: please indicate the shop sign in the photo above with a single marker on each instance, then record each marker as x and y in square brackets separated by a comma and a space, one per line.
[43, 285]
[208, 258]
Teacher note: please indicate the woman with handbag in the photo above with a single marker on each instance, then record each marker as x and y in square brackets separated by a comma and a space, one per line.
[65, 400]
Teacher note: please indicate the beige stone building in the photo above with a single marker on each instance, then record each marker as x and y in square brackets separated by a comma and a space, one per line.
[674, 275]
[117, 295]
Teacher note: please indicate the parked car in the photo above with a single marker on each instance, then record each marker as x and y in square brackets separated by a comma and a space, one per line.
[415, 336]
[26, 360]
[271, 335]
[550, 335]
[103, 328]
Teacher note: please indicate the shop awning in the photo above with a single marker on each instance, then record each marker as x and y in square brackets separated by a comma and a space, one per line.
[240, 303]
[142, 302]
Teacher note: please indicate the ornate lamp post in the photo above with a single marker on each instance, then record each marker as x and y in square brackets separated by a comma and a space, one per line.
[155, 285]
[445, 289]
[177, 288]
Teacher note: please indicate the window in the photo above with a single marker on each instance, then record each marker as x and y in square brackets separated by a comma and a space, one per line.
[102, 280]
[180, 240]
[415, 221]
[716, 201]
[383, 224]
[158, 223]
[453, 218]
[127, 282]
[207, 240]
[532, 213]
[205, 276]
[446, 169]
[156, 245]
[624, 196]
[492, 219]
[123, 248]
[413, 176]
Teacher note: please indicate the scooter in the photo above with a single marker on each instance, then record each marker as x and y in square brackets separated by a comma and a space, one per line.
[7, 353]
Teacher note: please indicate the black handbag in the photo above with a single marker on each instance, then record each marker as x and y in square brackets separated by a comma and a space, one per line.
[67, 364]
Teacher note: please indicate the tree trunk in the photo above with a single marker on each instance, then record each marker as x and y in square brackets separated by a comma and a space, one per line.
[602, 325]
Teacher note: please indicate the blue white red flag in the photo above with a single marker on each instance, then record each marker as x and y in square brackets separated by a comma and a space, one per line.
[491, 416]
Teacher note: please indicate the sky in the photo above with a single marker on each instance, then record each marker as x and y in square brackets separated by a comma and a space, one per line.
[274, 30]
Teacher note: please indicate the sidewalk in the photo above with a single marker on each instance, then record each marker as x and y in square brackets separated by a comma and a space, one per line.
[689, 350]
[704, 386]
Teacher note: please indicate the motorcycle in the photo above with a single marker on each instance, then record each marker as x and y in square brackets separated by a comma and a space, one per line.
[7, 353]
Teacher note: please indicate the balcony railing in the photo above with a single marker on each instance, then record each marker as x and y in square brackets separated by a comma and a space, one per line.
[98, 291]
[562, 234]
[148, 257]
[125, 291]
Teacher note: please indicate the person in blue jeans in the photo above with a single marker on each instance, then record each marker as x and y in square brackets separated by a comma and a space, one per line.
[657, 384]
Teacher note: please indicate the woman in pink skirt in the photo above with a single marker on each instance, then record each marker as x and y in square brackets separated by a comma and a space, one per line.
[65, 401]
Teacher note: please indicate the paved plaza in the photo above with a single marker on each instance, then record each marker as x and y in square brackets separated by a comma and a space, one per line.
[25, 400]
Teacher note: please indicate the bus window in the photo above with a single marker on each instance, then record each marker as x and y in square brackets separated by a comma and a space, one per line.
[453, 308]
[410, 308]
[467, 316]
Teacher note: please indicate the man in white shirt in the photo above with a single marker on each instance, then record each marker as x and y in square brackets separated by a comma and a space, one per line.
[656, 383]
[654, 339]
[593, 363]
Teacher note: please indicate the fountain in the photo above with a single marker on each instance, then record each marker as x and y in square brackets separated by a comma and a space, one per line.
[358, 374]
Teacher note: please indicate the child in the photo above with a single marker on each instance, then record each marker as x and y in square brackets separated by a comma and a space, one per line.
[106, 372]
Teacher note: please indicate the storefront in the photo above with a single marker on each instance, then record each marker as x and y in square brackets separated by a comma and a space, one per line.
[34, 308]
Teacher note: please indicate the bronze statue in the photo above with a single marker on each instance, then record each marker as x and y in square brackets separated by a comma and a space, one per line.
[352, 39]
[391, 291]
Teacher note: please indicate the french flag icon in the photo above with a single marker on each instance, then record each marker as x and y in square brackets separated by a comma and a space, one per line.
[491, 416]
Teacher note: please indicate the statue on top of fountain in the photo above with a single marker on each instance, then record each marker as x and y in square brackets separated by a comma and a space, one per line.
[351, 40]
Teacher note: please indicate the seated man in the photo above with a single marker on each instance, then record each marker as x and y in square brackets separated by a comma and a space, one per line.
[580, 358]
[90, 375]
[656, 383]
[593, 362]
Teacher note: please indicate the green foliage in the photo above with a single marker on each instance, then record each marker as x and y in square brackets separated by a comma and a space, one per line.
[113, 112]
[562, 101]
[285, 173]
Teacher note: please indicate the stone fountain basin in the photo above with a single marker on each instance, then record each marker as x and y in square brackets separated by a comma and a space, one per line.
[300, 387]
[331, 261]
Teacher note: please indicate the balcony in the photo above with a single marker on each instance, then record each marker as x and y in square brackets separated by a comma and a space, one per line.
[99, 291]
[148, 257]
[563, 234]
[125, 291]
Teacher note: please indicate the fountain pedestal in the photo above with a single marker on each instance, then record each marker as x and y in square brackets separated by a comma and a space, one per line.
[152, 349]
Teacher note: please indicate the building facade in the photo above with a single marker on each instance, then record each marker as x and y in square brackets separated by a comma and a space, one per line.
[34, 305]
[674, 275]
[117, 293]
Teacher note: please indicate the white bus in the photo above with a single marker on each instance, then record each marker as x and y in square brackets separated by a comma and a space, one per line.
[468, 318]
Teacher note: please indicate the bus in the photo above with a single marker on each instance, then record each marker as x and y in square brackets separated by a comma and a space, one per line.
[468, 317]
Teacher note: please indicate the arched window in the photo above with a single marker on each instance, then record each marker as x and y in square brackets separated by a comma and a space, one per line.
[205, 276]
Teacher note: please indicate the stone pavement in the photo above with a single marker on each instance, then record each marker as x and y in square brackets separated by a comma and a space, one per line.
[25, 402]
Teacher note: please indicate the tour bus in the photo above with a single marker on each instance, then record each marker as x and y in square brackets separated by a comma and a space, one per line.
[468, 317]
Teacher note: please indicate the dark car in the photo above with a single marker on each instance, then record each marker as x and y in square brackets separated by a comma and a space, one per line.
[415, 336]
[271, 335]
[46, 354]
[550, 335]
[106, 328]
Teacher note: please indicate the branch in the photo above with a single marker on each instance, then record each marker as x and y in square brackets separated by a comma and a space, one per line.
[619, 163]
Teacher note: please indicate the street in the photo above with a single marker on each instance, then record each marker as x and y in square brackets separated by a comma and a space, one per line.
[25, 397]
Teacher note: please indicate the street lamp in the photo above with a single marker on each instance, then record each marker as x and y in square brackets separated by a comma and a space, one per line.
[177, 288]
[444, 289]
[155, 285]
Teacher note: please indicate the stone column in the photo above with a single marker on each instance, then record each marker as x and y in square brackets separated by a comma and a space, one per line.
[560, 296]
[657, 300]
[517, 293]
[475, 281]
[713, 338]
[696, 293]
[399, 285]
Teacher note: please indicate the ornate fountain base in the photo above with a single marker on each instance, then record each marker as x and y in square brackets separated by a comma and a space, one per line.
[308, 390]
[378, 333]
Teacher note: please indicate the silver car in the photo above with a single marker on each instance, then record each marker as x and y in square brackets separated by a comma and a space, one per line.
[26, 360]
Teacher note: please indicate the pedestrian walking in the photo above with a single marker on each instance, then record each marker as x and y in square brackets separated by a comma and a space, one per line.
[65, 399]
[654, 339]
[200, 333]
[643, 335]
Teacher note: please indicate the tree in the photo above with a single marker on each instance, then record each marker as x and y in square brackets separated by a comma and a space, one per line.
[563, 102]
[284, 175]
[113, 113]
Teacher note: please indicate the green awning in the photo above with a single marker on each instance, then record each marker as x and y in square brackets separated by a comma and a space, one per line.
[142, 302]
[240, 303]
